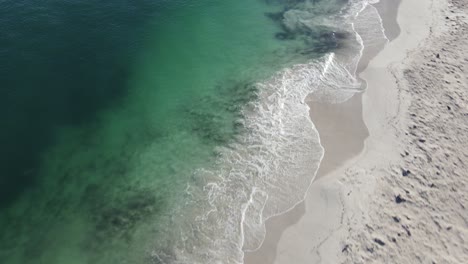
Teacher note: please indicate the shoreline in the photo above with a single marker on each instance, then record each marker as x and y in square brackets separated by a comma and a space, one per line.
[316, 229]
[342, 134]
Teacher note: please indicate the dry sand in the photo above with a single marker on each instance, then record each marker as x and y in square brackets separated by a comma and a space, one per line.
[404, 198]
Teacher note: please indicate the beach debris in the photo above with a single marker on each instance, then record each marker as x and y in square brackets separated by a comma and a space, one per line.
[438, 55]
[396, 219]
[369, 228]
[406, 228]
[422, 140]
[404, 154]
[379, 241]
[345, 248]
[405, 172]
[399, 199]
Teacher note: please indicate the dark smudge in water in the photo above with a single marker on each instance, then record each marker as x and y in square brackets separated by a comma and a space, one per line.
[62, 62]
[318, 40]
[212, 126]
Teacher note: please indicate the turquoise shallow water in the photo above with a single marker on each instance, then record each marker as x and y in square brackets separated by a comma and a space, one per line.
[110, 106]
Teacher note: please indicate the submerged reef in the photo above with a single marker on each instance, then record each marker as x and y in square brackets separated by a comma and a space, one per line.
[307, 21]
[209, 113]
[120, 216]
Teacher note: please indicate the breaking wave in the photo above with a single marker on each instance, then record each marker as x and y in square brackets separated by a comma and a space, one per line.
[270, 167]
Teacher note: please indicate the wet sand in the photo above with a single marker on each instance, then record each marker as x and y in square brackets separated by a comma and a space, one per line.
[342, 133]
[402, 199]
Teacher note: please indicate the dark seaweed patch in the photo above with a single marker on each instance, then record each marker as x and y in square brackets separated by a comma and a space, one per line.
[324, 40]
[317, 40]
[117, 218]
[284, 36]
[216, 119]
[62, 63]
[287, 3]
[275, 16]
[211, 127]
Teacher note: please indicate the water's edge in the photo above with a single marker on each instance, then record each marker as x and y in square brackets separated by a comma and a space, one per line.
[353, 106]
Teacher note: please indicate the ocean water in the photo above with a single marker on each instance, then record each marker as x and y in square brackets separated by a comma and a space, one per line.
[161, 131]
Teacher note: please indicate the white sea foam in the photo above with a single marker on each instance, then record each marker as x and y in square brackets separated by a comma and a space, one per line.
[270, 167]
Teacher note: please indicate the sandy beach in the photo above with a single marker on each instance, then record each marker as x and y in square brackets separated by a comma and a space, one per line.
[392, 187]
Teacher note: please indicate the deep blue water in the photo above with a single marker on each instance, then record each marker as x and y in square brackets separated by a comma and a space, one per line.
[60, 63]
